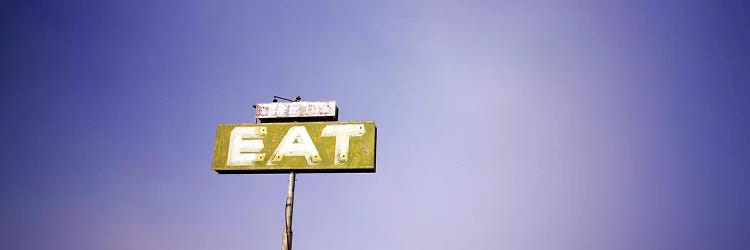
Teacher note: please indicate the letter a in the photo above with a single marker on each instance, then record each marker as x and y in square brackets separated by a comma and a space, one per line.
[296, 142]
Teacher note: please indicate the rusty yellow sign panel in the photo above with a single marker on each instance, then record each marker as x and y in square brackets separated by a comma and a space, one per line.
[338, 147]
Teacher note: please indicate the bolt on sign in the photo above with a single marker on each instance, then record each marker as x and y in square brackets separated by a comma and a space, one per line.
[339, 147]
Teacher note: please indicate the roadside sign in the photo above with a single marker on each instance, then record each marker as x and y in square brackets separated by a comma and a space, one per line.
[296, 111]
[339, 147]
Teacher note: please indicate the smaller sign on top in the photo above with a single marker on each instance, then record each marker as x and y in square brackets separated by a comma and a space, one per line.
[296, 111]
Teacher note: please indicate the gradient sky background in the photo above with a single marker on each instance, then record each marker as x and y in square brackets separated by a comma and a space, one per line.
[502, 125]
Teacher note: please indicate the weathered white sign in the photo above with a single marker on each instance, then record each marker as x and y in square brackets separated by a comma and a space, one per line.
[295, 109]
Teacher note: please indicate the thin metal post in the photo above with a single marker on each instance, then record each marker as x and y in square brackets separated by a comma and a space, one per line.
[286, 238]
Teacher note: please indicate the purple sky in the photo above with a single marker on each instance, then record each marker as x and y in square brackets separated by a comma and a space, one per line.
[502, 125]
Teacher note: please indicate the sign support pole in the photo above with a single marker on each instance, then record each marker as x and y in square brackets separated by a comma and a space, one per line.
[286, 238]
